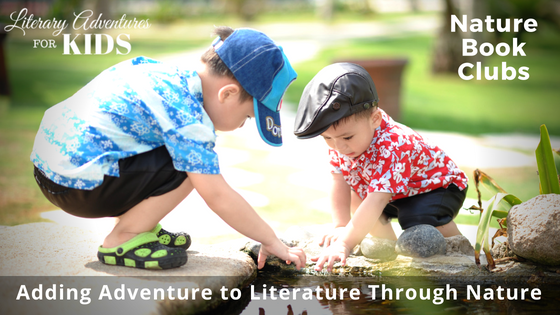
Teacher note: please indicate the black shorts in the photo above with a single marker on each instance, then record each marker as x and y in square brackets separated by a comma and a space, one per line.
[437, 207]
[141, 176]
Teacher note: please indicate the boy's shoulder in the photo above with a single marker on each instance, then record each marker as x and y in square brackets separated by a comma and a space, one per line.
[140, 75]
[152, 67]
[393, 130]
[133, 63]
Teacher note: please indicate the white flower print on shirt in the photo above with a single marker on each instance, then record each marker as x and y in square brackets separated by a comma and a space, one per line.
[140, 128]
[397, 172]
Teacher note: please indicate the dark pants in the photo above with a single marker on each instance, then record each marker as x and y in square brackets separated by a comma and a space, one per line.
[437, 207]
[141, 176]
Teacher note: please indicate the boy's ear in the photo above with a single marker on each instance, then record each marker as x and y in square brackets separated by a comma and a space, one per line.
[376, 117]
[228, 91]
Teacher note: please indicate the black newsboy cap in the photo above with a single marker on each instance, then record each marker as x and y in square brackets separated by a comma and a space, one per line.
[337, 91]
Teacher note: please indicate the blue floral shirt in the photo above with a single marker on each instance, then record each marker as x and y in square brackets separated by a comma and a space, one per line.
[130, 108]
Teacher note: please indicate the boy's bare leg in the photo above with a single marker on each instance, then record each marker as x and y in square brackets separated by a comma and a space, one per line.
[145, 216]
[449, 229]
[382, 228]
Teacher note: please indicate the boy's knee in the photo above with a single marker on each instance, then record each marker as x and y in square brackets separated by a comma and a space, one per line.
[384, 219]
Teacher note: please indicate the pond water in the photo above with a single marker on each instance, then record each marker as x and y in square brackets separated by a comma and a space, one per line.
[274, 293]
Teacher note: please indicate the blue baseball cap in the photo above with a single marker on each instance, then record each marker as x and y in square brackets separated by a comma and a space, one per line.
[263, 70]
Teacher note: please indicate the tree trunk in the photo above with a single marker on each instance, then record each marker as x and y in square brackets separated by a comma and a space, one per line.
[447, 55]
[325, 9]
[105, 7]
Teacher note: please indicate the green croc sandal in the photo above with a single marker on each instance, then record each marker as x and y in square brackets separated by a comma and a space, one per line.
[143, 251]
[181, 239]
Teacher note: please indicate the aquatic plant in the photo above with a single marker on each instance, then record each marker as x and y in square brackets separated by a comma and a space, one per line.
[548, 163]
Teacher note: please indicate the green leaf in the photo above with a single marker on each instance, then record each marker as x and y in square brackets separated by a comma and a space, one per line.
[557, 159]
[548, 174]
[499, 207]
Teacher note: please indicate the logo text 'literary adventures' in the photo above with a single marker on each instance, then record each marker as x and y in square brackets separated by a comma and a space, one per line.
[81, 41]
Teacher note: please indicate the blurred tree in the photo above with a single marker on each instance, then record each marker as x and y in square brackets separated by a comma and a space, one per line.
[544, 11]
[447, 56]
[325, 9]
[550, 11]
[360, 6]
[105, 7]
[246, 9]
[414, 5]
[67, 9]
[167, 11]
[64, 9]
[4, 82]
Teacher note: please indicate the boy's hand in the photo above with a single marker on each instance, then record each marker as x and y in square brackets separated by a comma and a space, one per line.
[289, 254]
[337, 251]
[236, 212]
[331, 237]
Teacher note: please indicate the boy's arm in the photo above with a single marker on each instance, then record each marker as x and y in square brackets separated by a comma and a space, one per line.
[236, 212]
[340, 203]
[365, 217]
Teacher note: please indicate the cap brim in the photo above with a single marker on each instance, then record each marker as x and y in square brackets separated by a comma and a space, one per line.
[311, 134]
[268, 124]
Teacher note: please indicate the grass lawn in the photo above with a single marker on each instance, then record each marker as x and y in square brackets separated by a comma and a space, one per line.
[429, 102]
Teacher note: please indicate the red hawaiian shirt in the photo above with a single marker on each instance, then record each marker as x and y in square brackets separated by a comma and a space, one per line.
[398, 161]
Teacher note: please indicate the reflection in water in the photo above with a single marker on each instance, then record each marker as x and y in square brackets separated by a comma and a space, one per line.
[290, 311]
[273, 294]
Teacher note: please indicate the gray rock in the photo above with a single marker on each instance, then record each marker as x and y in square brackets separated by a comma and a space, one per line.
[533, 229]
[378, 248]
[421, 241]
[49, 251]
[458, 245]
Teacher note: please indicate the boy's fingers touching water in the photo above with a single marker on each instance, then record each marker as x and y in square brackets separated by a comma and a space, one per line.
[299, 254]
[330, 255]
[294, 255]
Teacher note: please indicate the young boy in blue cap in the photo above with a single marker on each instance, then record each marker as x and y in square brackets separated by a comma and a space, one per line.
[381, 169]
[136, 140]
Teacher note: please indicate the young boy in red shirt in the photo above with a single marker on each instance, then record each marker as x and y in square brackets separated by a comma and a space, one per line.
[381, 169]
